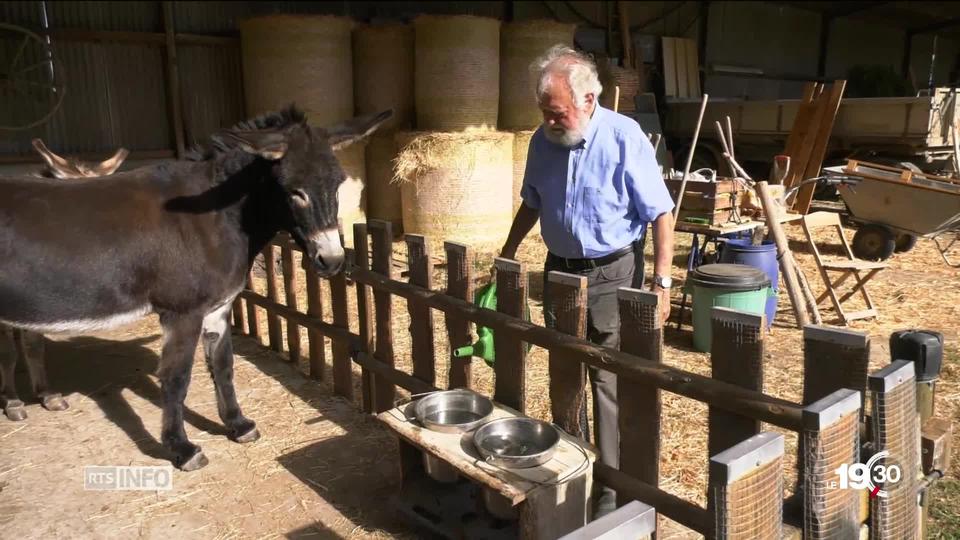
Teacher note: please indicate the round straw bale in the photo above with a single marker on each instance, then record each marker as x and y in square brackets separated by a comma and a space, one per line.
[383, 72]
[456, 186]
[383, 194]
[612, 75]
[521, 144]
[352, 193]
[301, 59]
[457, 72]
[520, 44]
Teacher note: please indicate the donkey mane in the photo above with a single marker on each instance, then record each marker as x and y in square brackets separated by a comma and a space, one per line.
[217, 146]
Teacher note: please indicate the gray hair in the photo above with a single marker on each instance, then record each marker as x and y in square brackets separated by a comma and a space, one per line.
[577, 69]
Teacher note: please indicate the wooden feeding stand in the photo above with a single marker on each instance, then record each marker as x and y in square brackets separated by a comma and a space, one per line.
[542, 502]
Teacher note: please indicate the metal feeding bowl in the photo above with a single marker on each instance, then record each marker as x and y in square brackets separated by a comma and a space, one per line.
[453, 411]
[517, 443]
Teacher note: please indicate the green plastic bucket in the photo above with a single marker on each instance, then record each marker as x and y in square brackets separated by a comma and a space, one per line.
[734, 286]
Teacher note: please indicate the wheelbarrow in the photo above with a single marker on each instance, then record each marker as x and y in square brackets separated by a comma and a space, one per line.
[894, 207]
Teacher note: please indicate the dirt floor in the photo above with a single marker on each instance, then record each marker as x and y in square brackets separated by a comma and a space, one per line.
[324, 470]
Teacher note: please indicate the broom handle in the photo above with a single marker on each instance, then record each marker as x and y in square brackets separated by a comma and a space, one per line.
[686, 170]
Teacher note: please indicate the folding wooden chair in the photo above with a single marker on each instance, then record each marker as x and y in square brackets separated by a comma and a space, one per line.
[851, 266]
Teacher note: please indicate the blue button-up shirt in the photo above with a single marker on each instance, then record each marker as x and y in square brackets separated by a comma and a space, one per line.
[599, 196]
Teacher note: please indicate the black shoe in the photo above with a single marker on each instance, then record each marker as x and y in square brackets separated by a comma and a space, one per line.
[605, 503]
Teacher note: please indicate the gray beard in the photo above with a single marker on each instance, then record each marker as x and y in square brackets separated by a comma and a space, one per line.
[568, 139]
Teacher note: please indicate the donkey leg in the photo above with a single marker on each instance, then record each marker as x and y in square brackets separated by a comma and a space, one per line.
[30, 347]
[12, 406]
[180, 333]
[218, 351]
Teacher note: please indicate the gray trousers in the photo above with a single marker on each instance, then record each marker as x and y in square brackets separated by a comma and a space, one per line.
[603, 328]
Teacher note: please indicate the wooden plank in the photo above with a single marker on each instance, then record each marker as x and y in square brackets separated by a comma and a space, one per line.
[641, 334]
[290, 292]
[511, 364]
[736, 357]
[238, 314]
[723, 395]
[800, 129]
[334, 332]
[381, 232]
[669, 67]
[807, 140]
[693, 68]
[566, 301]
[146, 38]
[680, 65]
[318, 358]
[459, 286]
[364, 312]
[172, 72]
[342, 365]
[253, 322]
[421, 316]
[805, 195]
[274, 330]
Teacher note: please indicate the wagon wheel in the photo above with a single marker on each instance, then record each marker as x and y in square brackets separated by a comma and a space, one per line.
[27, 79]
[873, 243]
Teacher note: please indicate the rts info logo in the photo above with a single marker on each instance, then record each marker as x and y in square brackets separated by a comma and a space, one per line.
[869, 475]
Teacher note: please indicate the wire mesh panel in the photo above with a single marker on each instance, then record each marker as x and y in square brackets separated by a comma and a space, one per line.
[894, 512]
[834, 358]
[746, 489]
[831, 439]
[736, 356]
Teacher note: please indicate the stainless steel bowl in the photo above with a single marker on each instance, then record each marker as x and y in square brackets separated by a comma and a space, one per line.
[517, 443]
[439, 470]
[453, 411]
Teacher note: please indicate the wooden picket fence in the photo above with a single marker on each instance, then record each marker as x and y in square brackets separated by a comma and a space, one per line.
[745, 492]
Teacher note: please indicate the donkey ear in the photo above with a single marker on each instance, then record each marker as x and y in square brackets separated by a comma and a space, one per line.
[60, 167]
[346, 133]
[111, 165]
[268, 144]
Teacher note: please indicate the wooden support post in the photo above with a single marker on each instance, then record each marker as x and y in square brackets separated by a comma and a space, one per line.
[315, 309]
[834, 358]
[421, 316]
[511, 364]
[641, 334]
[746, 489]
[736, 357]
[384, 392]
[274, 330]
[290, 292]
[342, 365]
[253, 323]
[173, 80]
[238, 314]
[772, 212]
[459, 286]
[831, 429]
[364, 312]
[565, 310]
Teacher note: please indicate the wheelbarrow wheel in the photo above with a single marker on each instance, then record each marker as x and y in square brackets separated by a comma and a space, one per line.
[905, 242]
[874, 243]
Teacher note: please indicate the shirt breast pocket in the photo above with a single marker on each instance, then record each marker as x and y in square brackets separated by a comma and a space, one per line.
[604, 205]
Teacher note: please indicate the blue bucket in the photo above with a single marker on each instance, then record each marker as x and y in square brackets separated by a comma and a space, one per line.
[764, 257]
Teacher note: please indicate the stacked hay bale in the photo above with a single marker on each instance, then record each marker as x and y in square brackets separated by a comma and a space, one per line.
[611, 76]
[456, 170]
[307, 60]
[383, 79]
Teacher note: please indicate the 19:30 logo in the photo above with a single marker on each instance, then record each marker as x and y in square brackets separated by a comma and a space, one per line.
[868, 475]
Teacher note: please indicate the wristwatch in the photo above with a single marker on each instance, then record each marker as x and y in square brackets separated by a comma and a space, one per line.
[663, 282]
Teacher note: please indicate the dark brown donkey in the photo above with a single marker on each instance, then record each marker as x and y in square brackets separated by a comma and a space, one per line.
[27, 345]
[174, 239]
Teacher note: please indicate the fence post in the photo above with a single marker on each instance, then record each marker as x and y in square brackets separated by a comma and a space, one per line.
[746, 489]
[736, 357]
[565, 299]
[511, 364]
[421, 316]
[290, 292]
[361, 253]
[342, 364]
[834, 358]
[896, 430]
[274, 332]
[459, 286]
[641, 334]
[238, 314]
[831, 438]
[382, 235]
[315, 310]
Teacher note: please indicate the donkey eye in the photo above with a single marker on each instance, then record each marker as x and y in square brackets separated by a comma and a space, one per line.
[299, 197]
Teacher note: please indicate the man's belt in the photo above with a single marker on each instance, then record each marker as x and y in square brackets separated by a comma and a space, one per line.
[585, 264]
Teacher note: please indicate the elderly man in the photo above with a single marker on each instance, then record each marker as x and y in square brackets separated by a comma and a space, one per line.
[593, 182]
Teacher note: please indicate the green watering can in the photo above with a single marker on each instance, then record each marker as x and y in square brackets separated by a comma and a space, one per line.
[486, 298]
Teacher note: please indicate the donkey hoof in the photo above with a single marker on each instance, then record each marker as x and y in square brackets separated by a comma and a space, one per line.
[198, 461]
[15, 410]
[55, 403]
[248, 437]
